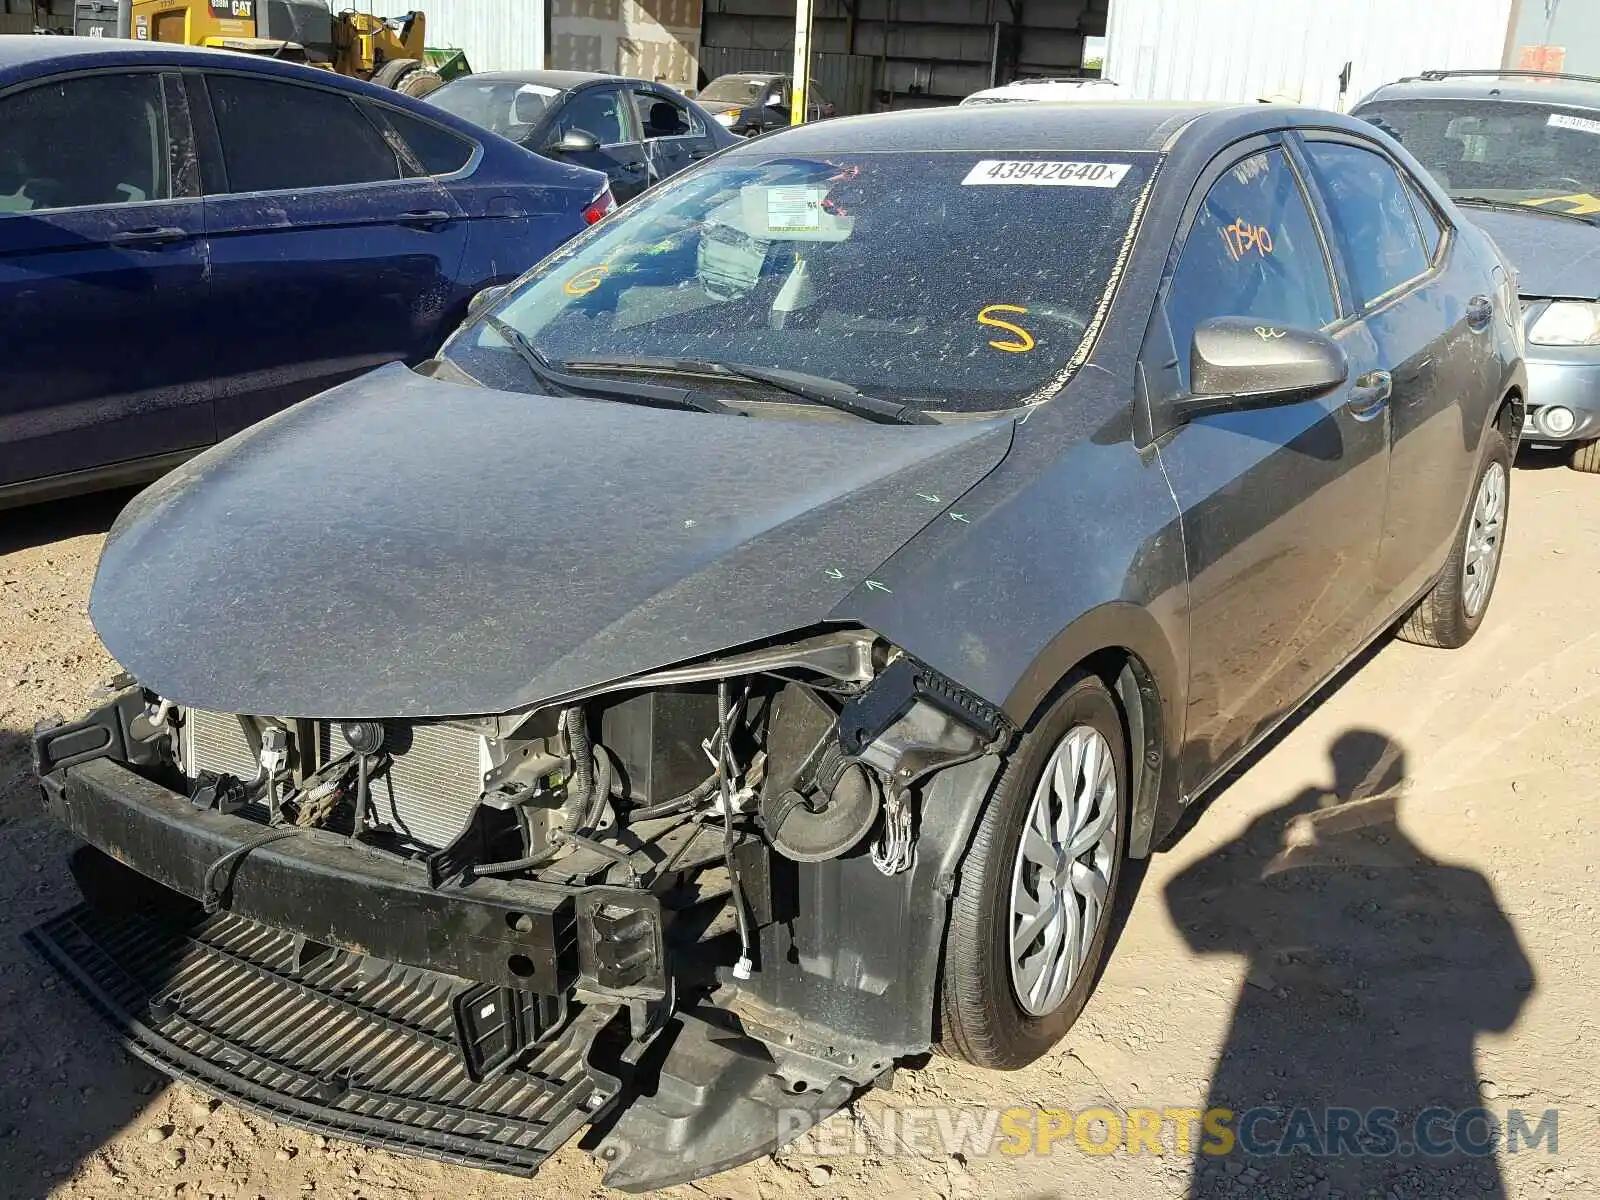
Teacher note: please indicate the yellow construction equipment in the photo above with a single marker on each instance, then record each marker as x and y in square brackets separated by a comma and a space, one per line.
[389, 51]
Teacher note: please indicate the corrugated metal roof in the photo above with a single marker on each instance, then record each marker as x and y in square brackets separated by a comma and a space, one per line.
[498, 35]
[1269, 49]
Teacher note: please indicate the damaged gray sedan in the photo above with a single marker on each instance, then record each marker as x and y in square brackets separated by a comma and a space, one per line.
[752, 654]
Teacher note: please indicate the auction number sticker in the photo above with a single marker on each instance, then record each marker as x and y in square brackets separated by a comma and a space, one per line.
[1042, 173]
[1581, 124]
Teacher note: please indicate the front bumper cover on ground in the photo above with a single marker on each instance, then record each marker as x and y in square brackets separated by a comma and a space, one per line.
[329, 994]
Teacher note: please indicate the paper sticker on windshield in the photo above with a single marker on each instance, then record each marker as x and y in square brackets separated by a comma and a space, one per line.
[794, 209]
[538, 89]
[1581, 124]
[1040, 173]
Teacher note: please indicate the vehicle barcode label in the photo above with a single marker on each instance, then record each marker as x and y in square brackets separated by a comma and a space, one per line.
[1581, 124]
[1041, 173]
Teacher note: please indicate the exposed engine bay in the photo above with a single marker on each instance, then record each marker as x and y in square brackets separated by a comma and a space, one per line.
[676, 849]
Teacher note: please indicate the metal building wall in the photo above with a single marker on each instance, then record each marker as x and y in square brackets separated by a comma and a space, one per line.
[924, 51]
[498, 35]
[1253, 49]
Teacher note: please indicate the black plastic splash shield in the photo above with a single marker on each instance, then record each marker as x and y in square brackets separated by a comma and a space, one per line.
[342, 1046]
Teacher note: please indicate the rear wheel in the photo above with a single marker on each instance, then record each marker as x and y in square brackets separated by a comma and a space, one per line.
[1451, 612]
[1031, 922]
[1586, 457]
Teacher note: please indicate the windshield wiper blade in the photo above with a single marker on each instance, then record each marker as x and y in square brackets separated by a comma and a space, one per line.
[1518, 206]
[552, 377]
[818, 390]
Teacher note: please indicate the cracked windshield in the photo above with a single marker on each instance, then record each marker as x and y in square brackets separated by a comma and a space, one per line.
[1502, 152]
[835, 272]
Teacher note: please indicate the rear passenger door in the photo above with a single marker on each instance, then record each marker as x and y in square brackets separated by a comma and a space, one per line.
[1282, 506]
[332, 250]
[674, 135]
[102, 275]
[1427, 341]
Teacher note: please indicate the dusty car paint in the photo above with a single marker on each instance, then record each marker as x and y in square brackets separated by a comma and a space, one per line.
[1217, 566]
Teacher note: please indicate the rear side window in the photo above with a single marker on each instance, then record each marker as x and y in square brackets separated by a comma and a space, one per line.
[438, 150]
[1427, 219]
[660, 117]
[1252, 251]
[95, 139]
[1372, 217]
[279, 136]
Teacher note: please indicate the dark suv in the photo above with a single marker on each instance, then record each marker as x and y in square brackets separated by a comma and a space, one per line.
[1520, 150]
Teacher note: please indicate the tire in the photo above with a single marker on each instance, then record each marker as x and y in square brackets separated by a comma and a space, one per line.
[1586, 458]
[420, 83]
[392, 72]
[1448, 616]
[983, 1017]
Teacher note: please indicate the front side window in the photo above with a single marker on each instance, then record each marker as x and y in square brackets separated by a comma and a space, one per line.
[664, 118]
[1372, 217]
[598, 112]
[842, 267]
[279, 136]
[1252, 251]
[89, 140]
[1506, 151]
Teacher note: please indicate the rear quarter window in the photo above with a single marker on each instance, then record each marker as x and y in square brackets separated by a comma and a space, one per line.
[440, 151]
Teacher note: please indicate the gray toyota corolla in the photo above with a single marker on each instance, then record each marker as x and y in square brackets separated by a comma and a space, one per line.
[752, 653]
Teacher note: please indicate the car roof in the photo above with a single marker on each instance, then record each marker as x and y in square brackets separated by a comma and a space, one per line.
[25, 56]
[1531, 87]
[997, 128]
[565, 80]
[751, 75]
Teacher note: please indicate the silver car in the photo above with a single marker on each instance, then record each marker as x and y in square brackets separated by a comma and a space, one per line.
[1520, 151]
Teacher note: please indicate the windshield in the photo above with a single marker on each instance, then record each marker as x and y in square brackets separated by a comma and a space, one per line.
[1535, 154]
[738, 89]
[947, 281]
[505, 106]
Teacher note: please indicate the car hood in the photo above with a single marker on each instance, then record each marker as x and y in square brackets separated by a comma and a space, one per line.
[1555, 258]
[721, 106]
[404, 547]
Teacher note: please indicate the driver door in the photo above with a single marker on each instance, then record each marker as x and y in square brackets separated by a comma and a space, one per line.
[1283, 507]
[605, 113]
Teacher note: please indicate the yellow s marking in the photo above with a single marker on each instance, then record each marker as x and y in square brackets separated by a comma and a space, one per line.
[1024, 341]
[587, 280]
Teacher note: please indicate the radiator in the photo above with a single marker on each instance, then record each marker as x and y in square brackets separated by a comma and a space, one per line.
[433, 783]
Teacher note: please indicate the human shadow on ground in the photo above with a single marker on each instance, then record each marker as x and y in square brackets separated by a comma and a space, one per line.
[1349, 1064]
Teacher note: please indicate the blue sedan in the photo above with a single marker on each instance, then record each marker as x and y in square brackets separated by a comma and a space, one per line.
[191, 240]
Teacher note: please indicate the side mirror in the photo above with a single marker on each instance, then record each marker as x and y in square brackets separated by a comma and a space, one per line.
[575, 141]
[1240, 363]
[485, 298]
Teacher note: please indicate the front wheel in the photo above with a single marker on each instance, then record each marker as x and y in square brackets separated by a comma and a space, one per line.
[1030, 924]
[1586, 457]
[1451, 612]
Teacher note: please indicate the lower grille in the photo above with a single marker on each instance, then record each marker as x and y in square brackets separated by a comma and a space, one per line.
[337, 1046]
[429, 792]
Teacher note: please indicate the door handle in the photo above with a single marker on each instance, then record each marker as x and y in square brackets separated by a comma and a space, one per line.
[149, 239]
[635, 167]
[1369, 394]
[425, 217]
[1480, 311]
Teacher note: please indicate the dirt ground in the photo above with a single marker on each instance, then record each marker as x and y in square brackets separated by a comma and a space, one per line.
[1395, 906]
